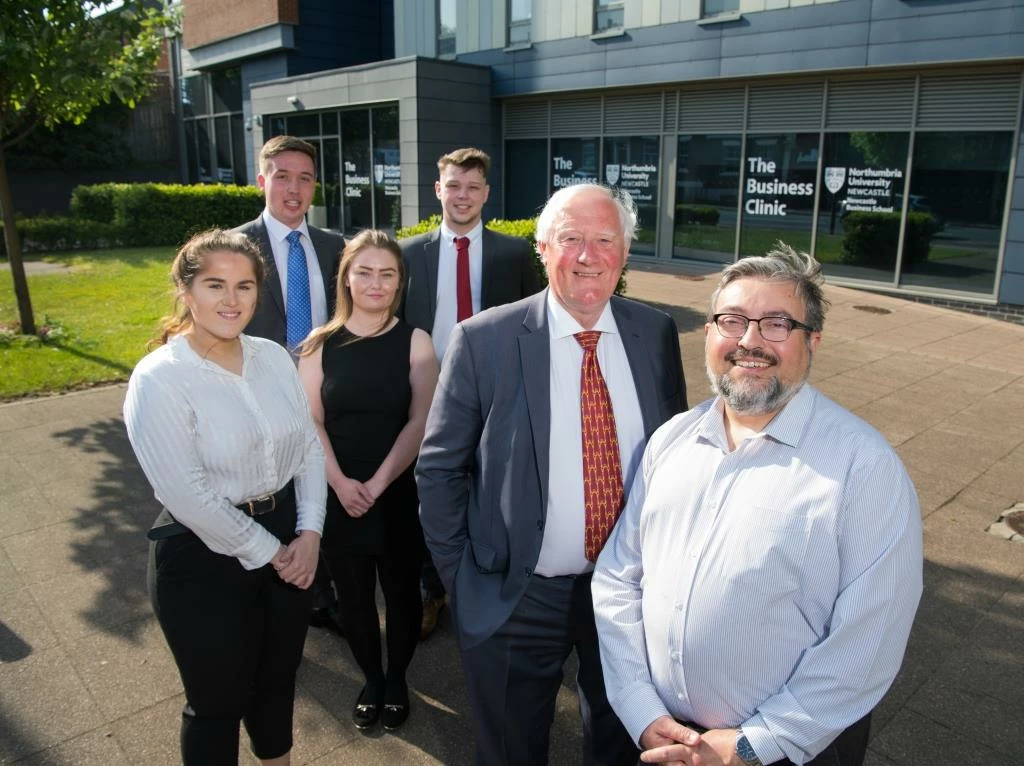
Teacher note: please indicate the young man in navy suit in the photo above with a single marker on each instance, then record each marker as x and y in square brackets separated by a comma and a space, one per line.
[455, 271]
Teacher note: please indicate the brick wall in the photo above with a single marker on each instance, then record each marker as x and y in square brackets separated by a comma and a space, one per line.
[207, 21]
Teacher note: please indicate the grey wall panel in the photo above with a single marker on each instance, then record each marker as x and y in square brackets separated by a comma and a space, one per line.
[785, 107]
[795, 61]
[712, 111]
[632, 114]
[825, 38]
[576, 81]
[967, 49]
[969, 102]
[960, 20]
[870, 104]
[662, 73]
[589, 62]
[665, 53]
[576, 116]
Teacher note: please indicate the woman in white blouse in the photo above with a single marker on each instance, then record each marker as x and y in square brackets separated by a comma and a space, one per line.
[223, 432]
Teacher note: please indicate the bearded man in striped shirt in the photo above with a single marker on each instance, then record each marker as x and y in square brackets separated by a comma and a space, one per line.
[754, 601]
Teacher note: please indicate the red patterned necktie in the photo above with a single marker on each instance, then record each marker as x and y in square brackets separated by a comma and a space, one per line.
[463, 292]
[602, 468]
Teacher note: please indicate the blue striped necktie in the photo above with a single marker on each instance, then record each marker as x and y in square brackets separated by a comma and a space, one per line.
[298, 313]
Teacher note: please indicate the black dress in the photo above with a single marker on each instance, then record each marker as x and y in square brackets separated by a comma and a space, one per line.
[366, 396]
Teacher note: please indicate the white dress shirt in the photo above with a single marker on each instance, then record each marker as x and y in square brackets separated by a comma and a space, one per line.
[208, 439]
[562, 549]
[278, 234]
[772, 587]
[446, 313]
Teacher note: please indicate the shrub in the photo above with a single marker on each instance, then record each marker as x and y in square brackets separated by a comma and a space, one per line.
[95, 202]
[872, 239]
[55, 233]
[167, 214]
[691, 215]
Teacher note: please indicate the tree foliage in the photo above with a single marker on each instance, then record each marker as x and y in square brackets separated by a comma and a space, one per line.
[59, 60]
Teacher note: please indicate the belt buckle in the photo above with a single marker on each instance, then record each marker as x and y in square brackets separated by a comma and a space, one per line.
[252, 504]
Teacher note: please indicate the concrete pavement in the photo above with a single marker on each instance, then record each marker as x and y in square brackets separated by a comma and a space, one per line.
[85, 676]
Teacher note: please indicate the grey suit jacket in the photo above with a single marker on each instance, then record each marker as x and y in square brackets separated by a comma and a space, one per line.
[483, 468]
[508, 274]
[269, 319]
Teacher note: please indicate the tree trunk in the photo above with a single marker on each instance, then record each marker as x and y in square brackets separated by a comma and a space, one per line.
[28, 322]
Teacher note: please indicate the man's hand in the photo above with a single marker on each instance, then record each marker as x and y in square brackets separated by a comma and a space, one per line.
[355, 498]
[666, 741]
[301, 560]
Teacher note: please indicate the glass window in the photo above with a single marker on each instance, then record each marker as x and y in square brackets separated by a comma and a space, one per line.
[445, 27]
[276, 126]
[608, 14]
[227, 90]
[520, 13]
[194, 100]
[958, 187]
[222, 143]
[526, 187]
[387, 168]
[330, 181]
[707, 194]
[355, 159]
[238, 150]
[203, 146]
[191, 155]
[303, 125]
[778, 192]
[573, 161]
[329, 123]
[718, 7]
[631, 164]
[859, 205]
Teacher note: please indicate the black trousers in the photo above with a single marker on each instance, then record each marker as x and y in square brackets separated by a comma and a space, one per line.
[355, 579]
[513, 678]
[237, 638]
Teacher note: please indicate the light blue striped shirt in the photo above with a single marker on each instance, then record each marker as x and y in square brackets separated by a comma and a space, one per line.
[772, 587]
[208, 439]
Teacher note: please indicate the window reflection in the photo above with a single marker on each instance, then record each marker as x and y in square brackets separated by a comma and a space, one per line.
[707, 193]
[631, 164]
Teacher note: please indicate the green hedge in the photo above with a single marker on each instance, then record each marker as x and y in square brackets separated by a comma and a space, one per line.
[871, 239]
[57, 233]
[167, 214]
[524, 228]
[699, 215]
[95, 202]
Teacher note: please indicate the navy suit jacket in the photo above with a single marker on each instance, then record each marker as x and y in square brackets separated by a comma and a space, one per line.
[508, 274]
[269, 319]
[483, 468]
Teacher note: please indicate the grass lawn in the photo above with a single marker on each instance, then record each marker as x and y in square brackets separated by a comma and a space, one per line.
[103, 309]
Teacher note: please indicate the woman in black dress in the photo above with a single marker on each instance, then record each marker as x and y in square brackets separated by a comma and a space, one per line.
[369, 378]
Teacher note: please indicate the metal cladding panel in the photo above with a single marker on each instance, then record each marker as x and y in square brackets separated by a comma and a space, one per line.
[711, 111]
[632, 114]
[785, 107]
[976, 102]
[870, 104]
[671, 116]
[526, 119]
[576, 117]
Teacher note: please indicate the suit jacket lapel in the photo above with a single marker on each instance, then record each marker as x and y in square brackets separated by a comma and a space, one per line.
[273, 280]
[535, 359]
[431, 259]
[328, 260]
[639, 357]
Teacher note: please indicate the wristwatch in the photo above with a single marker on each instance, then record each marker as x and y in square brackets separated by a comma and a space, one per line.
[745, 751]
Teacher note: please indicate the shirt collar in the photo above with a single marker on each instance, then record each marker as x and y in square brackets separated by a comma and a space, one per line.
[561, 323]
[786, 427]
[474, 234]
[278, 231]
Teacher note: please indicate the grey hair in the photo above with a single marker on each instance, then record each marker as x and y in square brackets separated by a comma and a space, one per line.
[555, 208]
[782, 264]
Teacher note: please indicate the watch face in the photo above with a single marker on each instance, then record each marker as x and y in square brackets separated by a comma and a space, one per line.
[745, 751]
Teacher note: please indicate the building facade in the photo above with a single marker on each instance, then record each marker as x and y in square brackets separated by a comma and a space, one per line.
[883, 136]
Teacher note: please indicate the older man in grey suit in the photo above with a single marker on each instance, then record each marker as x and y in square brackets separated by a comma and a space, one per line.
[537, 427]
[455, 271]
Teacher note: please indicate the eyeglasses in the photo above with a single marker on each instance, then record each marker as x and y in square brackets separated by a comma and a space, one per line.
[771, 328]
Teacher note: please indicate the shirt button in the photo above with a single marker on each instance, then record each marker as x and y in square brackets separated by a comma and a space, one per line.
[676, 656]
[527, 571]
[679, 696]
[540, 526]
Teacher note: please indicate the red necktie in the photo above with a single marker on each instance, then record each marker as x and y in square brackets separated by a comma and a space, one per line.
[463, 291]
[602, 468]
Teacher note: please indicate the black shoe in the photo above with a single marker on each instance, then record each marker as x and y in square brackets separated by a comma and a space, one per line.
[366, 712]
[327, 617]
[396, 708]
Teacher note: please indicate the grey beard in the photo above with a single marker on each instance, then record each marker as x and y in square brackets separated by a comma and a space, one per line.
[752, 400]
